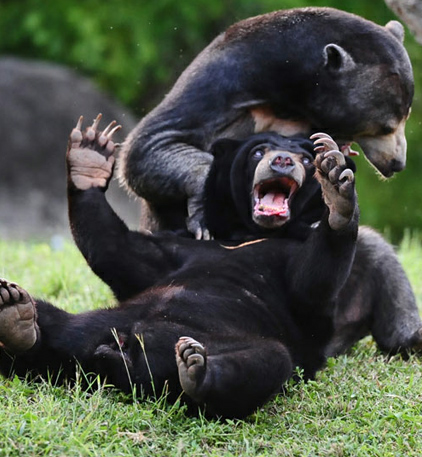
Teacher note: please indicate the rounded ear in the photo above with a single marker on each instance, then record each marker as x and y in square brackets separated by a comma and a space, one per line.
[338, 59]
[396, 29]
[224, 146]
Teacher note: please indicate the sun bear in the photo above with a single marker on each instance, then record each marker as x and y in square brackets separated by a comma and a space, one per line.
[293, 71]
[377, 297]
[225, 325]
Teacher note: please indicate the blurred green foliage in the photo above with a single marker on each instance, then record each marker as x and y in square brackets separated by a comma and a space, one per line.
[135, 50]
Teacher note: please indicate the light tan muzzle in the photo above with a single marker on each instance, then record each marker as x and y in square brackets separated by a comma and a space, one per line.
[387, 153]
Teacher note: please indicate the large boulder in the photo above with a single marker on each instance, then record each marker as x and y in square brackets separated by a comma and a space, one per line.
[40, 104]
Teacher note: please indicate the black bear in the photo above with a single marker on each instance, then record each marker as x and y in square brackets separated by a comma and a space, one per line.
[226, 325]
[377, 297]
[293, 71]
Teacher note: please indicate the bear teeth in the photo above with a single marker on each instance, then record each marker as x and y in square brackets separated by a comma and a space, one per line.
[272, 197]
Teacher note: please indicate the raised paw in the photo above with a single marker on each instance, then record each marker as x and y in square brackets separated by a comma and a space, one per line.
[18, 326]
[337, 181]
[90, 158]
[191, 362]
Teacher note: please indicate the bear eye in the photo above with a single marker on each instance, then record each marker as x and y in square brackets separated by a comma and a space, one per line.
[306, 160]
[258, 154]
[387, 130]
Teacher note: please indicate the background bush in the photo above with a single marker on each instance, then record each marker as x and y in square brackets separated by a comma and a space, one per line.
[135, 50]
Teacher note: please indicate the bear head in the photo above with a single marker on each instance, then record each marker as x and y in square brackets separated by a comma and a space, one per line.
[262, 186]
[331, 71]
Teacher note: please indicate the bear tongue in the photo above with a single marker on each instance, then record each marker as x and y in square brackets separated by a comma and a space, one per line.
[272, 203]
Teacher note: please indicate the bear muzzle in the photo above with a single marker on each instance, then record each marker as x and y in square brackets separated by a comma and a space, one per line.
[277, 178]
[387, 153]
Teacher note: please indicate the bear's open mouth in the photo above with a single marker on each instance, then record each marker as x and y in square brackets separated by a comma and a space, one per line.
[272, 197]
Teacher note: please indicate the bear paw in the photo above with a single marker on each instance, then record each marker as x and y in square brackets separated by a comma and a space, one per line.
[18, 327]
[191, 362]
[89, 157]
[337, 181]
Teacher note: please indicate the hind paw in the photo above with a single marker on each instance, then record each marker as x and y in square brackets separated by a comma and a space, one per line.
[18, 327]
[89, 155]
[191, 362]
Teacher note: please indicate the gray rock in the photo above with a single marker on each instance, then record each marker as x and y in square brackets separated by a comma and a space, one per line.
[39, 105]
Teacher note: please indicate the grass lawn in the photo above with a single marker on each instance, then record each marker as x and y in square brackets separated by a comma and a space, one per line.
[361, 404]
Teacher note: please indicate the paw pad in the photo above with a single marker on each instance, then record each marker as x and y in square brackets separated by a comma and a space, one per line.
[90, 154]
[191, 363]
[18, 327]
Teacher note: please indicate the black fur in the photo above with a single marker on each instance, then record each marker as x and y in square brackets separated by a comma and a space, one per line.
[293, 71]
[259, 310]
[254, 311]
[377, 298]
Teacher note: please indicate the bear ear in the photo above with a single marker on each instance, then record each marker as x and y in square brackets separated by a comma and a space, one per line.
[224, 146]
[338, 59]
[396, 29]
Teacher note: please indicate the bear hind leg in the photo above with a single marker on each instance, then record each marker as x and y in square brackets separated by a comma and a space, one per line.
[396, 324]
[235, 377]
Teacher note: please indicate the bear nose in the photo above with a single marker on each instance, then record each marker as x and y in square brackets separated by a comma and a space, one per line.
[397, 165]
[282, 162]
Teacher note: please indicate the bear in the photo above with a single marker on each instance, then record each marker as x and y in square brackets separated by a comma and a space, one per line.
[295, 71]
[198, 318]
[377, 297]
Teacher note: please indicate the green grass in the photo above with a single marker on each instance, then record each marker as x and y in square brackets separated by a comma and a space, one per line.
[361, 404]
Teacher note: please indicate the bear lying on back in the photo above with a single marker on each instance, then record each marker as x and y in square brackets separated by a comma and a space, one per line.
[227, 325]
[292, 71]
[377, 297]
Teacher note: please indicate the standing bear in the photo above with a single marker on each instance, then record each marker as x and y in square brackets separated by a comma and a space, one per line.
[293, 72]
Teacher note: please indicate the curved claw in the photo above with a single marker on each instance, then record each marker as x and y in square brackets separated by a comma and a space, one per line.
[198, 234]
[76, 133]
[337, 155]
[96, 122]
[348, 174]
[109, 127]
[320, 135]
[113, 131]
[326, 143]
[321, 148]
[79, 123]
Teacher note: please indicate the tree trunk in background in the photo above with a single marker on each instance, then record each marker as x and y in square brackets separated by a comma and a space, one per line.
[410, 12]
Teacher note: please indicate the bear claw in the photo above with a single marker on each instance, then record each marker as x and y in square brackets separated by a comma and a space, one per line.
[18, 327]
[347, 174]
[323, 142]
[337, 155]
